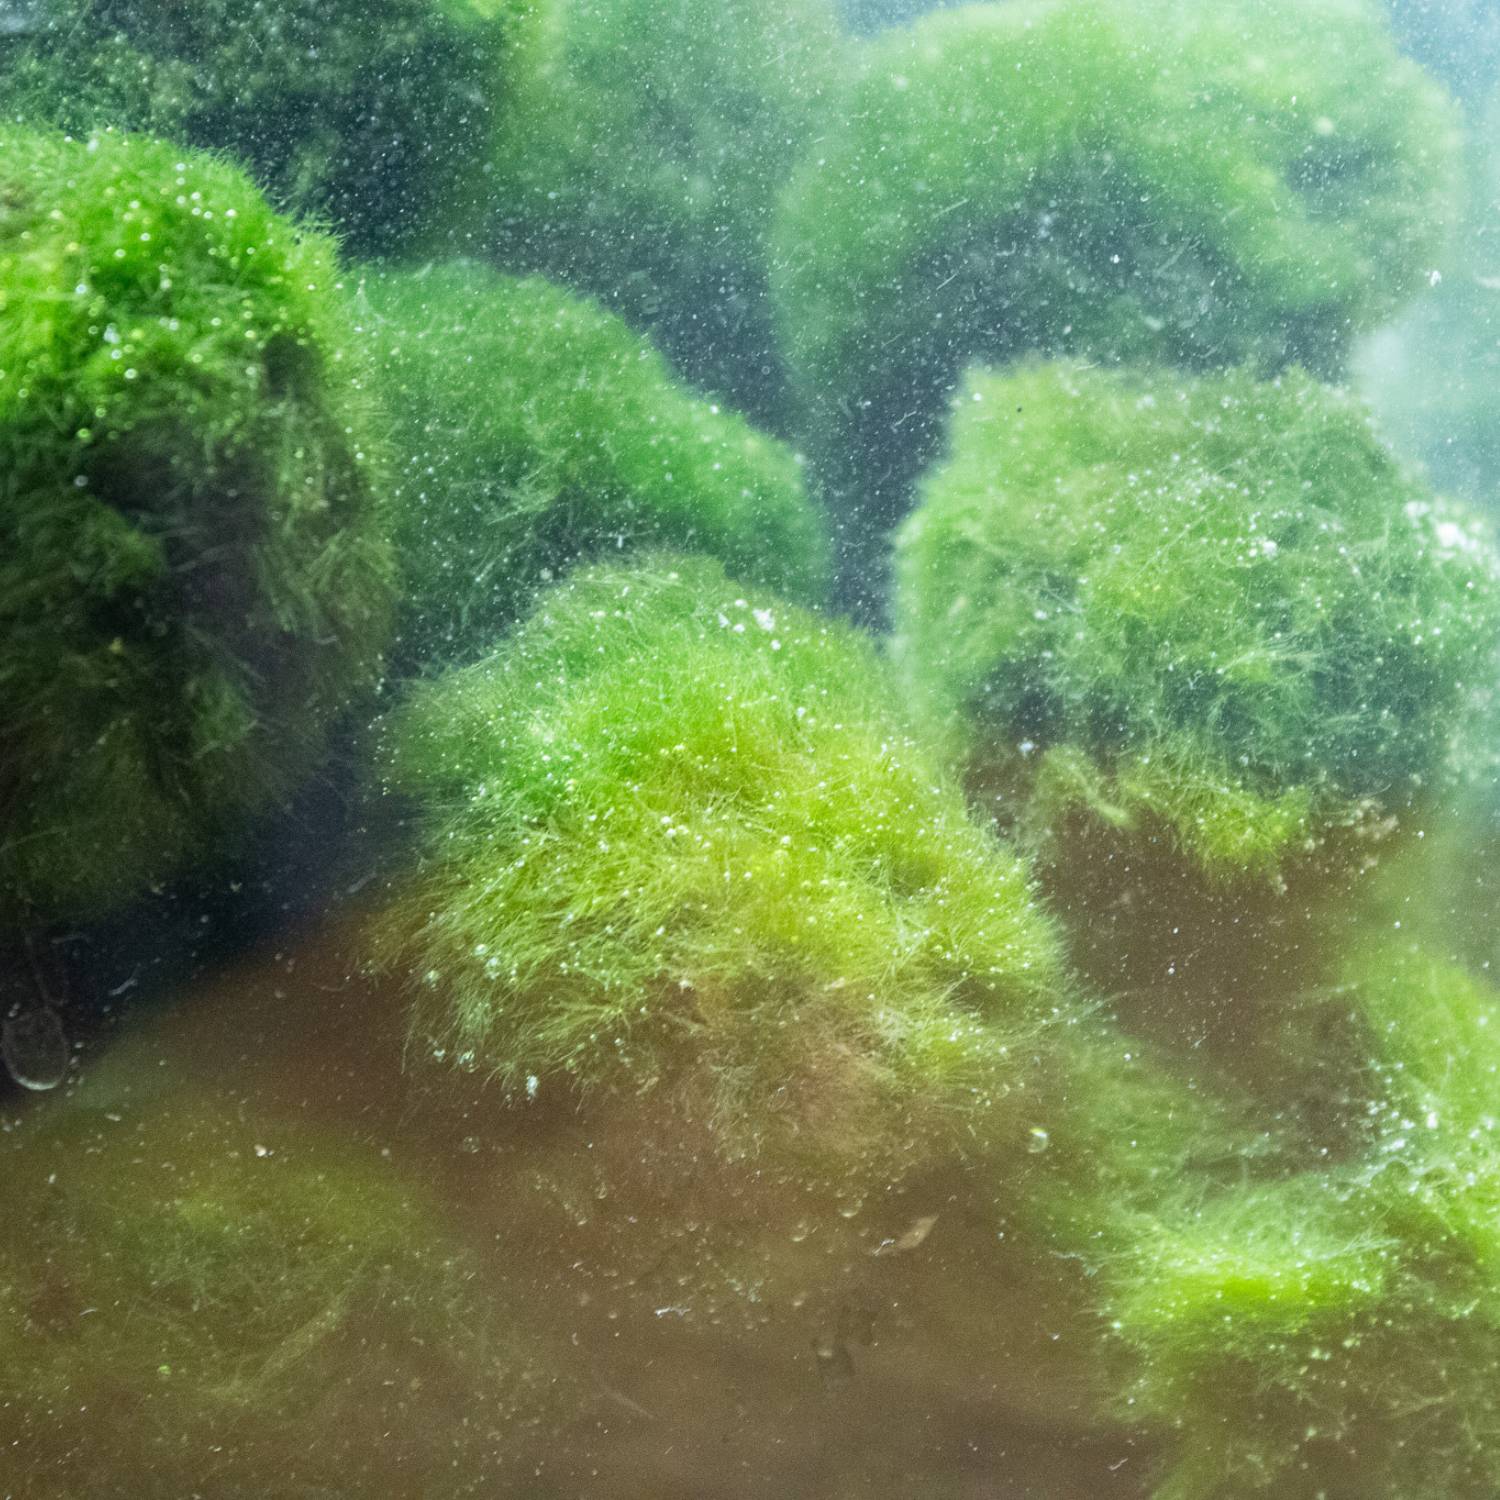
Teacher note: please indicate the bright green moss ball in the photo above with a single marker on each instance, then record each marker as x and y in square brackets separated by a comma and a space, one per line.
[673, 836]
[1337, 1337]
[642, 145]
[1213, 610]
[535, 429]
[1122, 179]
[196, 1304]
[192, 583]
[375, 119]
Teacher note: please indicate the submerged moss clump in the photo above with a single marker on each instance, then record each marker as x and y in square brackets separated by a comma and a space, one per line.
[192, 583]
[1213, 608]
[368, 117]
[1122, 179]
[642, 146]
[202, 1306]
[536, 429]
[673, 836]
[65, 76]
[1337, 1336]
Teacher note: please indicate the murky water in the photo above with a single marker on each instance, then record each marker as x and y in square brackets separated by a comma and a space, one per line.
[685, 1333]
[748, 749]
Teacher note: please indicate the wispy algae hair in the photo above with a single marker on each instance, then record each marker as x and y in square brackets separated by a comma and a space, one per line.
[369, 118]
[534, 429]
[1121, 179]
[1211, 606]
[192, 581]
[673, 835]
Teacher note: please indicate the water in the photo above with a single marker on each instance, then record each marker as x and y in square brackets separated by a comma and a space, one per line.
[729, 763]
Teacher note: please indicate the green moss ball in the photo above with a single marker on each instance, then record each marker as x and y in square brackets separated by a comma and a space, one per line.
[192, 582]
[1120, 179]
[201, 1305]
[673, 836]
[1337, 1336]
[374, 119]
[54, 72]
[535, 429]
[1213, 609]
[642, 146]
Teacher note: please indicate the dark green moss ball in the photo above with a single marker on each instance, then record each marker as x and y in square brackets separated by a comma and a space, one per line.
[534, 430]
[54, 72]
[674, 836]
[1214, 611]
[373, 119]
[192, 582]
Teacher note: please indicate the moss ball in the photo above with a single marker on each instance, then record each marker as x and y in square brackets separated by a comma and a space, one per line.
[371, 119]
[642, 145]
[192, 581]
[535, 429]
[72, 78]
[674, 836]
[206, 1305]
[1121, 179]
[1337, 1336]
[1210, 611]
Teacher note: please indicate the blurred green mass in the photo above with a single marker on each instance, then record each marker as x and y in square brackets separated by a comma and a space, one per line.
[197, 1305]
[375, 120]
[192, 579]
[1123, 179]
[1206, 608]
[535, 429]
[1337, 1336]
[642, 145]
[674, 837]
[53, 73]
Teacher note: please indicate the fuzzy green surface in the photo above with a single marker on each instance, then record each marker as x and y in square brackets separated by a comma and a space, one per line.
[642, 145]
[192, 582]
[1122, 179]
[75, 80]
[535, 429]
[674, 835]
[1213, 605]
[1337, 1336]
[1297, 172]
[204, 1305]
[372, 119]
